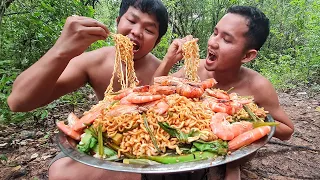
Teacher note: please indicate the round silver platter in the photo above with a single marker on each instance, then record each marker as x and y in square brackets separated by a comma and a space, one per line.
[68, 147]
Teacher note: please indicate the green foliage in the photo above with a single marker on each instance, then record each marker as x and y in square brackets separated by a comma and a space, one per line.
[29, 28]
[289, 59]
[28, 35]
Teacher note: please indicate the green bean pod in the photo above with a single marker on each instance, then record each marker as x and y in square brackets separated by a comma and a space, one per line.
[196, 156]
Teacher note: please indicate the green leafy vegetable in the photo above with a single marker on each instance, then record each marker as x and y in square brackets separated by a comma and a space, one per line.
[218, 146]
[106, 151]
[87, 142]
[183, 137]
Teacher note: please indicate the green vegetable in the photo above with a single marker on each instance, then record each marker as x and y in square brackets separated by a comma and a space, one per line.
[140, 161]
[87, 142]
[153, 138]
[218, 146]
[251, 114]
[106, 151]
[117, 138]
[100, 140]
[113, 103]
[196, 156]
[116, 148]
[259, 124]
[183, 137]
[133, 127]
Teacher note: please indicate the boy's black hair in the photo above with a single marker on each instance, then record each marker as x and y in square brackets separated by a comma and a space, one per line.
[258, 25]
[155, 7]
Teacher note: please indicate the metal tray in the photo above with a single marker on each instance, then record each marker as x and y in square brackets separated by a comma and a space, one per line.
[68, 146]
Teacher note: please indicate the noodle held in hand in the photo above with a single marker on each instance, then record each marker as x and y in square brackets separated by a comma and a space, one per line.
[191, 58]
[124, 53]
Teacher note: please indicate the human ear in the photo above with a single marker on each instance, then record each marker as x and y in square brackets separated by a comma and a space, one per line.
[155, 44]
[118, 20]
[249, 56]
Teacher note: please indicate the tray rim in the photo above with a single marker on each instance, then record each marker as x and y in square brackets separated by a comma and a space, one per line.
[66, 146]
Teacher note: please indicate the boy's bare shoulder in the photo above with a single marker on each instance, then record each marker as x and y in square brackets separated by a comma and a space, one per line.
[95, 58]
[260, 86]
[256, 79]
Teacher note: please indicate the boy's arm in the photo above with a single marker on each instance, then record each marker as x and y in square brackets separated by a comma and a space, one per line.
[49, 78]
[173, 55]
[269, 100]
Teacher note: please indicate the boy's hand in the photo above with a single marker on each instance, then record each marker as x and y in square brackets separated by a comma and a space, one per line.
[78, 34]
[174, 53]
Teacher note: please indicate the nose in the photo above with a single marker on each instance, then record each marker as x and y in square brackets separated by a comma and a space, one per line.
[213, 43]
[137, 31]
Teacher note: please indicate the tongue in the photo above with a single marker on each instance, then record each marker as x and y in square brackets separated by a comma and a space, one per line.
[135, 47]
[212, 57]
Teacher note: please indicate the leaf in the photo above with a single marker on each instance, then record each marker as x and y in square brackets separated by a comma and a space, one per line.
[174, 132]
[318, 108]
[3, 157]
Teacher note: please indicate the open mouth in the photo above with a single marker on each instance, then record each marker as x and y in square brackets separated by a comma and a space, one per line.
[212, 56]
[136, 46]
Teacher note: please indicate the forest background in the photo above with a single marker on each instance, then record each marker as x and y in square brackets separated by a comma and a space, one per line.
[290, 58]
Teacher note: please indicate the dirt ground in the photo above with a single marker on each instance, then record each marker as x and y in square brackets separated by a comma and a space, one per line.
[26, 149]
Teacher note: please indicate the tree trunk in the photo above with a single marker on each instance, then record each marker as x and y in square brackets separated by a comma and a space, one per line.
[3, 6]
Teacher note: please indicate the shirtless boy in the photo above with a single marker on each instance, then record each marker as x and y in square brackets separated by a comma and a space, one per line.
[236, 39]
[66, 67]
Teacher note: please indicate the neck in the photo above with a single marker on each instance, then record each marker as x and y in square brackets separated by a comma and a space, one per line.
[227, 78]
[140, 61]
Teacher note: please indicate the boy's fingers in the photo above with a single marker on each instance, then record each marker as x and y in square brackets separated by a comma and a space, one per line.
[188, 38]
[96, 31]
[88, 22]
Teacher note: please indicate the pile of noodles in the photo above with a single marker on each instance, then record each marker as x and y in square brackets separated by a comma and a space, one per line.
[183, 114]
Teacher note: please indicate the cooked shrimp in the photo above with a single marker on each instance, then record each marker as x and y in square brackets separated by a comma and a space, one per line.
[208, 83]
[190, 91]
[226, 131]
[68, 130]
[165, 90]
[161, 107]
[123, 109]
[242, 100]
[126, 92]
[248, 137]
[123, 94]
[86, 120]
[169, 80]
[138, 98]
[217, 93]
[229, 107]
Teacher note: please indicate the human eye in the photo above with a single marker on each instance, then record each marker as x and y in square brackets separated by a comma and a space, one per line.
[226, 40]
[131, 21]
[149, 31]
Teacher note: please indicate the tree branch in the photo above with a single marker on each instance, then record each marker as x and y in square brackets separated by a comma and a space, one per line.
[14, 13]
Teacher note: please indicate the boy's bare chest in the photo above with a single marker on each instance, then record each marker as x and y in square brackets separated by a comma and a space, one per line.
[101, 78]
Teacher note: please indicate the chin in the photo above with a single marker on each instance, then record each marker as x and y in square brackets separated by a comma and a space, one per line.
[209, 68]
